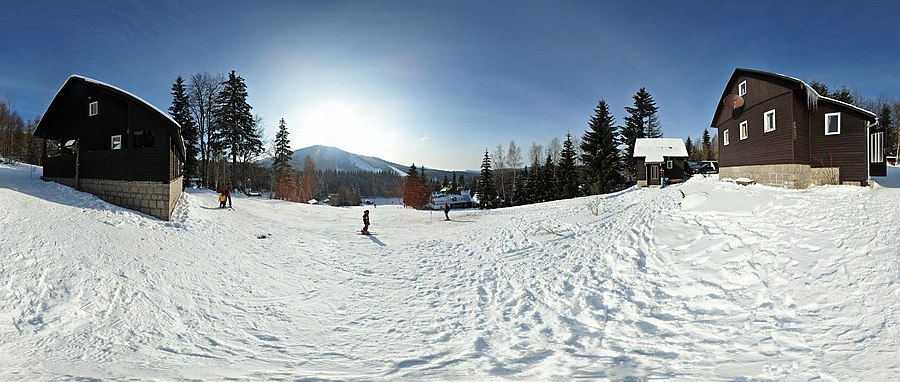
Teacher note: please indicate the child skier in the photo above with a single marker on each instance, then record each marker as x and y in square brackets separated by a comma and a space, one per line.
[365, 230]
[222, 199]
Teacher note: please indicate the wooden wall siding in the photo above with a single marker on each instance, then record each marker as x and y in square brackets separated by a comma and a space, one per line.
[149, 164]
[62, 166]
[759, 89]
[759, 148]
[846, 150]
[801, 129]
[103, 164]
[677, 170]
[641, 170]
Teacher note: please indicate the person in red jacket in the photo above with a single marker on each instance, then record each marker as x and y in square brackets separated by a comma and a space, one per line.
[228, 196]
[365, 230]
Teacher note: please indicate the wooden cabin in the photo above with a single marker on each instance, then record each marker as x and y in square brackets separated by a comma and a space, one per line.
[658, 159]
[114, 145]
[777, 130]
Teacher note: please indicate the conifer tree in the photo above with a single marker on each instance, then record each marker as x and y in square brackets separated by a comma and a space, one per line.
[820, 88]
[890, 129]
[689, 146]
[843, 95]
[641, 122]
[415, 188]
[706, 149]
[547, 185]
[180, 111]
[235, 126]
[281, 165]
[484, 189]
[600, 153]
[454, 185]
[566, 174]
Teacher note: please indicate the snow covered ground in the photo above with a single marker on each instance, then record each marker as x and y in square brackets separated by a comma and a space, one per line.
[703, 281]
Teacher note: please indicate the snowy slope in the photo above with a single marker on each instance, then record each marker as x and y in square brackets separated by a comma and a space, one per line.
[725, 282]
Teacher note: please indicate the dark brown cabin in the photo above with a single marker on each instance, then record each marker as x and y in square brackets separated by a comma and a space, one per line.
[122, 149]
[777, 130]
[658, 158]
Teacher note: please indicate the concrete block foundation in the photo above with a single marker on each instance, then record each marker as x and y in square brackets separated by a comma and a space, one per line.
[784, 175]
[152, 198]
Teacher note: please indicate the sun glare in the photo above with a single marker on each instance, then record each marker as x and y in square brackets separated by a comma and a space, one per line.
[340, 125]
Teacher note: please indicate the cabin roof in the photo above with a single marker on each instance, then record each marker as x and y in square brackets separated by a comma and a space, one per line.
[812, 96]
[654, 150]
[41, 129]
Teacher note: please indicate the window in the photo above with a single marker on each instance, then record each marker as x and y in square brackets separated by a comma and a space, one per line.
[93, 109]
[654, 172]
[116, 142]
[769, 119]
[143, 138]
[743, 130]
[876, 152]
[669, 164]
[742, 88]
[725, 137]
[832, 123]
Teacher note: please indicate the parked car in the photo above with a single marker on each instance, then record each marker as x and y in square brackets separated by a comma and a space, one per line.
[250, 192]
[703, 167]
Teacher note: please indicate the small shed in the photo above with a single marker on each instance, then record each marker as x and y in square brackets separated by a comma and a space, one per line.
[658, 158]
[113, 145]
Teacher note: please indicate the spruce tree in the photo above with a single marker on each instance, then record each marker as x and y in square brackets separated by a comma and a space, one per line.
[890, 131]
[547, 185]
[484, 189]
[843, 95]
[706, 149]
[689, 146]
[181, 113]
[820, 88]
[602, 171]
[566, 174]
[641, 122]
[281, 166]
[235, 126]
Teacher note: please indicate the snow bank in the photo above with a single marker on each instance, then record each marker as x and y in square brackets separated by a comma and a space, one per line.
[702, 281]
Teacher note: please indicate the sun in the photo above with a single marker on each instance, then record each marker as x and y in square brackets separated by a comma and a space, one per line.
[338, 124]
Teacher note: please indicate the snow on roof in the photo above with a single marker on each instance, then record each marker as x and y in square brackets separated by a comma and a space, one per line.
[656, 149]
[91, 80]
[813, 96]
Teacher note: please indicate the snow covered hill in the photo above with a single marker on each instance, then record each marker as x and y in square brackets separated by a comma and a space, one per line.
[332, 158]
[702, 281]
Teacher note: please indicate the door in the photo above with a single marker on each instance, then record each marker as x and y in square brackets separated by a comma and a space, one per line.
[653, 175]
[877, 164]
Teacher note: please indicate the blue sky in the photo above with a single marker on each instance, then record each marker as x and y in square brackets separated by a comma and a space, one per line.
[436, 83]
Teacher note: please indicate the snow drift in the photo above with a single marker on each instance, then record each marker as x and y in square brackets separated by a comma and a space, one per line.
[706, 280]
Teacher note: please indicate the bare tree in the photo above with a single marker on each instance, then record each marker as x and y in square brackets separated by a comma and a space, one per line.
[202, 90]
[554, 148]
[499, 159]
[535, 154]
[514, 155]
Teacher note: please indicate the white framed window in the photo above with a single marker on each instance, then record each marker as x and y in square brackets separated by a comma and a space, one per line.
[743, 130]
[832, 123]
[669, 164]
[93, 109]
[725, 137]
[769, 120]
[876, 152]
[742, 88]
[654, 172]
[115, 142]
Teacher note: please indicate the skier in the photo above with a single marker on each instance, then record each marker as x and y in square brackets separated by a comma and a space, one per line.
[365, 230]
[222, 199]
[228, 196]
[447, 211]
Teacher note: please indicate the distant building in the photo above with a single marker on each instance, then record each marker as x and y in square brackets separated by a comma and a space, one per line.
[658, 158]
[461, 200]
[777, 130]
[121, 148]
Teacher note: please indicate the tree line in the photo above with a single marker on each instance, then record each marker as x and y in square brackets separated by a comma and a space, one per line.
[599, 162]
